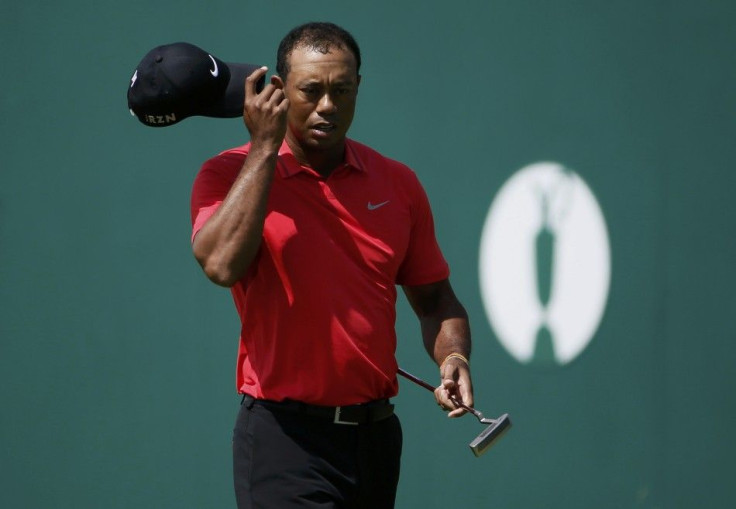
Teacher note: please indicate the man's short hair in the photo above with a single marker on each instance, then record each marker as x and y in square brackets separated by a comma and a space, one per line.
[318, 36]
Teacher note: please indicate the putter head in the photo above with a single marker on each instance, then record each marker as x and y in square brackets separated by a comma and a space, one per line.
[489, 435]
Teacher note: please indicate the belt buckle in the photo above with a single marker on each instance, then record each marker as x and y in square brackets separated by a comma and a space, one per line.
[337, 418]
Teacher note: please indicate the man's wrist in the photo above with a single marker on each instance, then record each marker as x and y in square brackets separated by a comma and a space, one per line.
[455, 355]
[264, 148]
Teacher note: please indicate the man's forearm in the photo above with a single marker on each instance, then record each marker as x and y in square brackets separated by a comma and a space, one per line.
[444, 336]
[229, 240]
[443, 319]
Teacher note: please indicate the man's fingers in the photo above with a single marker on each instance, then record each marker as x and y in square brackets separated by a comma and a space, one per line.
[440, 394]
[466, 395]
[444, 396]
[252, 80]
[450, 395]
[271, 97]
[283, 106]
[457, 412]
[277, 97]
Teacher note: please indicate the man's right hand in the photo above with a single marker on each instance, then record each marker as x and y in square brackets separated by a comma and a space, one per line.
[264, 113]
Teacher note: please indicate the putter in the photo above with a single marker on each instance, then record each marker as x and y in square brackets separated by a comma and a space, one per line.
[488, 436]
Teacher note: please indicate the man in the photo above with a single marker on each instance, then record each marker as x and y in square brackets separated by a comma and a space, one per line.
[312, 232]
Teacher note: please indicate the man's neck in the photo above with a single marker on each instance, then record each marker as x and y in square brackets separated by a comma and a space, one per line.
[323, 162]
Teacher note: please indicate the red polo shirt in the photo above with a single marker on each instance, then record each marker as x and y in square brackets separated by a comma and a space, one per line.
[317, 304]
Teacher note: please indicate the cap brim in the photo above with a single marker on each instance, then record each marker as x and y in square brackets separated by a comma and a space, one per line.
[230, 105]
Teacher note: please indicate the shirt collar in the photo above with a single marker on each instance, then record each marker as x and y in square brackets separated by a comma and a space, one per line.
[289, 166]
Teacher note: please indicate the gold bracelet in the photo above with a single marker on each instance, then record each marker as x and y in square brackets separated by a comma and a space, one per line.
[455, 356]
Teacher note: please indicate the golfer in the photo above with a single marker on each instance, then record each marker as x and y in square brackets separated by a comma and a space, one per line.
[313, 231]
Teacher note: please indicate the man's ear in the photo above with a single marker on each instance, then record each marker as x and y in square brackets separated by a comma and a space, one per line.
[277, 82]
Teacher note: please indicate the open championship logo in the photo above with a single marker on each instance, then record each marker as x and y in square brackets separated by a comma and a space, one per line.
[545, 265]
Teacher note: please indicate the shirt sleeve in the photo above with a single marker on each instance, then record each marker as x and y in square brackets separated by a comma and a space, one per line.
[211, 186]
[424, 262]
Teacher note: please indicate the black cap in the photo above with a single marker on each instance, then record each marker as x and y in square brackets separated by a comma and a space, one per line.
[180, 80]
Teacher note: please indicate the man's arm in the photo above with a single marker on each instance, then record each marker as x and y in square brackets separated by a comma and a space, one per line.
[229, 240]
[445, 330]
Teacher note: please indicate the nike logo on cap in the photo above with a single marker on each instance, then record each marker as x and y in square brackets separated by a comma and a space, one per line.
[214, 72]
[371, 206]
[135, 77]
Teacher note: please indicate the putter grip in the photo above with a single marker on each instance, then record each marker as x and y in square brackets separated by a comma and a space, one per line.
[430, 388]
[416, 380]
[427, 386]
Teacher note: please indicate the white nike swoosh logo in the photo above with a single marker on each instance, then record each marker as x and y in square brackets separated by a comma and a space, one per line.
[135, 77]
[214, 72]
[377, 205]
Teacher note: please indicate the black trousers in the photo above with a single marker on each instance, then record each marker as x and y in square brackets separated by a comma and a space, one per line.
[283, 460]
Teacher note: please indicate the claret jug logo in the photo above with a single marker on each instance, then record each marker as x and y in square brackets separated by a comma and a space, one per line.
[545, 264]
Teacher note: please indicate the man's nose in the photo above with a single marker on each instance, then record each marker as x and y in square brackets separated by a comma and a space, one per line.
[326, 105]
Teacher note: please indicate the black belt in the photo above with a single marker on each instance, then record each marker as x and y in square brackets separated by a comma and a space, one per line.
[364, 413]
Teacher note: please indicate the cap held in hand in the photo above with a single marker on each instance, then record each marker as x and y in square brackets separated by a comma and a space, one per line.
[180, 80]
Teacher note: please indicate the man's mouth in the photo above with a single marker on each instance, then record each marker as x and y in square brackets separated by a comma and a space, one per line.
[324, 127]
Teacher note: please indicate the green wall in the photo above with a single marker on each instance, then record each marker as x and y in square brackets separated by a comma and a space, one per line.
[117, 355]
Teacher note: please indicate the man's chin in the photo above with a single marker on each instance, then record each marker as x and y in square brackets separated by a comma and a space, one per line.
[307, 142]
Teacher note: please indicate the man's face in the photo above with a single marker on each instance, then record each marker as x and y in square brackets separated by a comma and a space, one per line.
[322, 89]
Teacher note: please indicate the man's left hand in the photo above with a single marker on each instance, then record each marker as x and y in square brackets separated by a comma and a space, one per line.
[456, 387]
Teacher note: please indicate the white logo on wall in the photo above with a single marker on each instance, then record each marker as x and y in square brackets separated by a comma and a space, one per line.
[545, 264]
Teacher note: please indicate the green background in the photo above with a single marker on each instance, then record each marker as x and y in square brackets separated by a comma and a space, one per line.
[117, 355]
